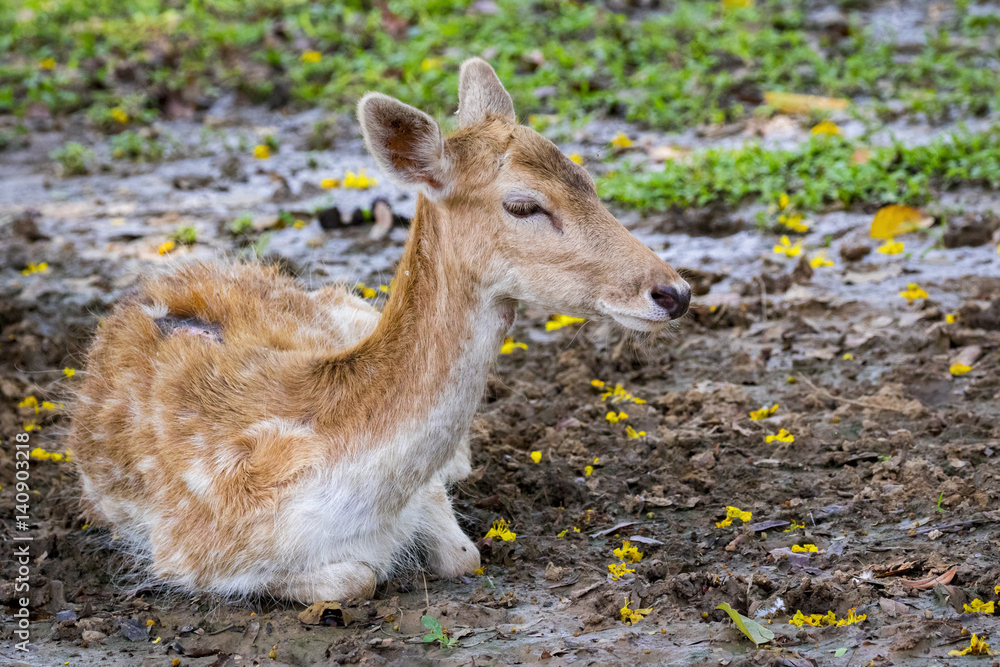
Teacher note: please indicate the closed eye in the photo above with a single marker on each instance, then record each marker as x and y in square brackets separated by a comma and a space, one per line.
[523, 208]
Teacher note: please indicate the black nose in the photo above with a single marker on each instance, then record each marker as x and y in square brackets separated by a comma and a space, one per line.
[671, 299]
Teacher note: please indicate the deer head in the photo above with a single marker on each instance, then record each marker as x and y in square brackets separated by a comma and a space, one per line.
[516, 213]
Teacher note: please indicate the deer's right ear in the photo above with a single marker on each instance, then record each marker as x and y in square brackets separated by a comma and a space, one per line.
[406, 143]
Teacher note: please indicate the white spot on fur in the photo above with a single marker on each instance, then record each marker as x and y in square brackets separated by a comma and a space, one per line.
[156, 311]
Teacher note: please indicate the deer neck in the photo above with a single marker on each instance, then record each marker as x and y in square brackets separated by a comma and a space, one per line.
[411, 388]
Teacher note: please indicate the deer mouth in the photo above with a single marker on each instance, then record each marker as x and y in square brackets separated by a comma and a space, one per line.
[644, 321]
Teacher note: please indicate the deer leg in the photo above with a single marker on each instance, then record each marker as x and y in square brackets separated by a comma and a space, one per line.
[450, 552]
[333, 581]
[460, 465]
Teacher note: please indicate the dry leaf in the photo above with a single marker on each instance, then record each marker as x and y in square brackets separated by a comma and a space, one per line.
[796, 103]
[891, 221]
[325, 612]
[666, 152]
[931, 582]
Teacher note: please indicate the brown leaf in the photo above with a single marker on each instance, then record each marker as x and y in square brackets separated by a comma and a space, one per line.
[931, 582]
[325, 612]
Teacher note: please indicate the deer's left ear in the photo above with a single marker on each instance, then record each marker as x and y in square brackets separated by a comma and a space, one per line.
[480, 94]
[406, 143]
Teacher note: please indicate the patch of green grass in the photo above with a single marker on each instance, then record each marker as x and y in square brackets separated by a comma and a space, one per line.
[694, 64]
[74, 158]
[823, 172]
[185, 235]
[132, 146]
[241, 225]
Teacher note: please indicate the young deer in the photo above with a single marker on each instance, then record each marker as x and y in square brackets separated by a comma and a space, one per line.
[248, 437]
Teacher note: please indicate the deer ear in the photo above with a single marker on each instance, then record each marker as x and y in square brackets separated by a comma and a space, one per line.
[406, 143]
[480, 94]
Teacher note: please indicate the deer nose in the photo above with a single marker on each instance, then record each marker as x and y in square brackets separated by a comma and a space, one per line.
[671, 298]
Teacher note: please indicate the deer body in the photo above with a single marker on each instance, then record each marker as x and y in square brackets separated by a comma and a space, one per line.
[248, 437]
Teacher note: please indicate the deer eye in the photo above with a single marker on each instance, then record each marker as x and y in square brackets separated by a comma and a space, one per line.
[523, 208]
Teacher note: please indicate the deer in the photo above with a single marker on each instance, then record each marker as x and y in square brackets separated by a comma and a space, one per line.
[243, 436]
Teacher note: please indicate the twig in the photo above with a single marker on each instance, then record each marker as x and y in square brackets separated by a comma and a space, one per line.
[849, 401]
[427, 597]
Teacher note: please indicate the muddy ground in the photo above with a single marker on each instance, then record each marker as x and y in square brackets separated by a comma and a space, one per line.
[892, 473]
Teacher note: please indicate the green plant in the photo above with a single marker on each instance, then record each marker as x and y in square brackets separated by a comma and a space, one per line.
[820, 173]
[76, 159]
[437, 633]
[132, 146]
[185, 235]
[697, 63]
[241, 225]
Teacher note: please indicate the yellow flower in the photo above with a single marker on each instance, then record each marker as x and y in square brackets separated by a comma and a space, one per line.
[119, 115]
[385, 288]
[614, 417]
[41, 267]
[311, 56]
[959, 369]
[359, 181]
[976, 647]
[501, 531]
[737, 4]
[46, 405]
[628, 552]
[783, 201]
[481, 570]
[734, 513]
[48, 63]
[329, 183]
[893, 220]
[40, 454]
[795, 526]
[597, 383]
[620, 140]
[630, 616]
[509, 345]
[261, 152]
[805, 549]
[820, 260]
[576, 157]
[619, 395]
[787, 249]
[848, 356]
[69, 372]
[633, 434]
[794, 223]
[979, 607]
[430, 63]
[996, 590]
[560, 321]
[165, 248]
[588, 471]
[29, 402]
[299, 224]
[536, 456]
[816, 620]
[826, 127]
[619, 570]
[780, 436]
[913, 292]
[890, 247]
[563, 533]
[32, 426]
[764, 412]
[950, 318]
